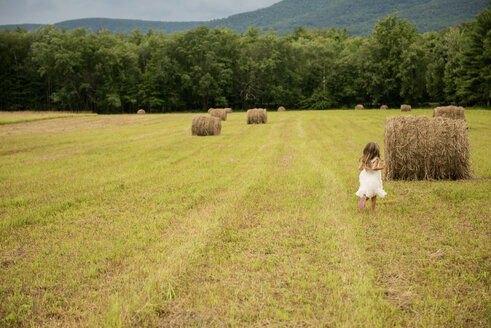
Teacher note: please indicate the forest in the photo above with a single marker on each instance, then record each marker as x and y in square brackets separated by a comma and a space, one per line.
[105, 72]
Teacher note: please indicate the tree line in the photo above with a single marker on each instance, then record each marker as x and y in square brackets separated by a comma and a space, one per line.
[104, 72]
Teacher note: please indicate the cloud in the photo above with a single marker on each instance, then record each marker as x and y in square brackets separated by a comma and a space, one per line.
[36, 5]
[53, 11]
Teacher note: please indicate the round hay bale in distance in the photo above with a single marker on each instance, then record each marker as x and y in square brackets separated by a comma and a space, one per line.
[384, 107]
[423, 148]
[141, 111]
[281, 109]
[228, 110]
[257, 116]
[204, 125]
[453, 112]
[359, 107]
[405, 108]
[219, 112]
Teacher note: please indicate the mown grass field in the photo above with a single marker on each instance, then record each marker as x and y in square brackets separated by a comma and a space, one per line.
[28, 116]
[127, 221]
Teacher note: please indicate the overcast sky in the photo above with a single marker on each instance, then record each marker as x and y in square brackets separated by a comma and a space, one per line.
[54, 11]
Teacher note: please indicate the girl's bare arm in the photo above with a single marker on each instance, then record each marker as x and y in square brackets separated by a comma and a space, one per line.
[376, 167]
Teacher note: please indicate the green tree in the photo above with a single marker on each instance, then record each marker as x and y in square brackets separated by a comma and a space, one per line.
[116, 74]
[309, 68]
[19, 82]
[352, 76]
[475, 86]
[390, 39]
[455, 42]
[204, 60]
[412, 72]
[436, 56]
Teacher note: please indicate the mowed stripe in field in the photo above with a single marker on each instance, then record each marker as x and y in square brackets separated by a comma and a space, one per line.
[173, 189]
[83, 164]
[117, 184]
[148, 226]
[292, 257]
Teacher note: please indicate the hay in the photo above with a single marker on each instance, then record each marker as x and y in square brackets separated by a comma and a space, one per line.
[453, 112]
[257, 116]
[359, 107]
[227, 110]
[405, 108]
[204, 125]
[281, 109]
[384, 107]
[219, 112]
[423, 148]
[141, 111]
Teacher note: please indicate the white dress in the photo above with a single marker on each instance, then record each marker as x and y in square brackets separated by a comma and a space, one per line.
[371, 183]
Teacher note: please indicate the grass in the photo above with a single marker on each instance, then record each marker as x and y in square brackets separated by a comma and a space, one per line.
[28, 116]
[121, 222]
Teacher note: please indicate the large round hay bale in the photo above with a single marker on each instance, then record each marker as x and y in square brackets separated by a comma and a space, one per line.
[204, 125]
[405, 108]
[257, 116]
[281, 109]
[219, 112]
[423, 148]
[359, 107]
[384, 107]
[141, 111]
[228, 110]
[453, 112]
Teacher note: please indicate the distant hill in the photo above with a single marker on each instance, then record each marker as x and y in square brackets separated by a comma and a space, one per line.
[115, 25]
[359, 16]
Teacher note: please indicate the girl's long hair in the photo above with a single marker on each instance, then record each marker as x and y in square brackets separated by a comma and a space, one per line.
[370, 151]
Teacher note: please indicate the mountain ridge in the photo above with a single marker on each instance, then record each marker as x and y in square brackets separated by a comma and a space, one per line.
[357, 16]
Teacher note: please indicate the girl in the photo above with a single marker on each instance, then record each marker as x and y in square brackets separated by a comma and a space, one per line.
[370, 175]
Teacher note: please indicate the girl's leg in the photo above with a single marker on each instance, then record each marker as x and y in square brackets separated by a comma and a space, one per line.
[374, 202]
[361, 204]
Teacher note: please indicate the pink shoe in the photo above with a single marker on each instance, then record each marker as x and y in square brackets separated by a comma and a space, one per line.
[361, 204]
